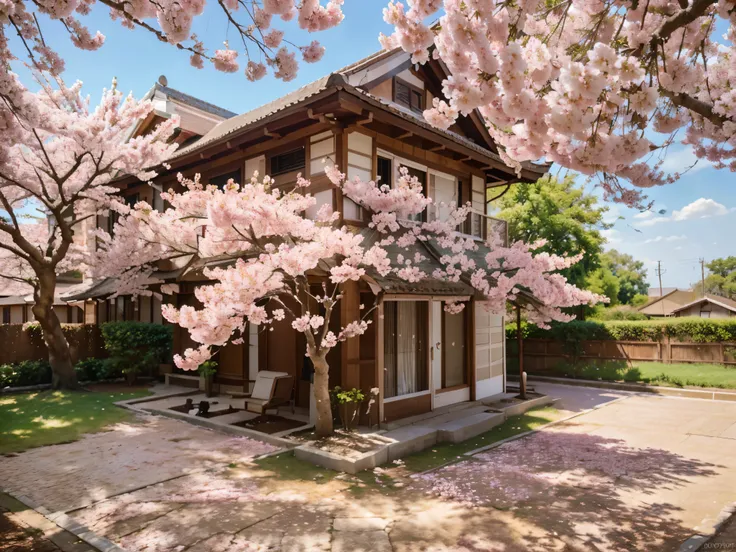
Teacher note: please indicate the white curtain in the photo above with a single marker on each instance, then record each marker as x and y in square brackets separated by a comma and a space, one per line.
[406, 348]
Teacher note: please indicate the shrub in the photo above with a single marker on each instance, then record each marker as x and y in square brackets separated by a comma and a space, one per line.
[621, 312]
[136, 347]
[26, 372]
[96, 369]
[697, 330]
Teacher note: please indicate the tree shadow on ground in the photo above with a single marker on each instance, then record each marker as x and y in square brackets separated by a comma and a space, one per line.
[593, 490]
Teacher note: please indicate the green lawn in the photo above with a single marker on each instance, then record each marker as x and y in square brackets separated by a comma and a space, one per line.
[31, 420]
[653, 373]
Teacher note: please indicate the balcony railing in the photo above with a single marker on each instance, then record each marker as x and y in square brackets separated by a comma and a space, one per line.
[481, 226]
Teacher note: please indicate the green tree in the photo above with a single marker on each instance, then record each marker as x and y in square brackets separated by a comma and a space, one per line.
[631, 275]
[560, 212]
[721, 279]
[604, 282]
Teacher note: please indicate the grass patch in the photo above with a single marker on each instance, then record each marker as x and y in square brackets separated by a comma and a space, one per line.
[442, 453]
[31, 420]
[288, 467]
[652, 373]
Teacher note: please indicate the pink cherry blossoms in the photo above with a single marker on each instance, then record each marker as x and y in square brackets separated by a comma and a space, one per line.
[173, 24]
[577, 82]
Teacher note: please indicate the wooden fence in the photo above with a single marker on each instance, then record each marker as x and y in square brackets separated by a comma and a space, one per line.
[542, 354]
[17, 344]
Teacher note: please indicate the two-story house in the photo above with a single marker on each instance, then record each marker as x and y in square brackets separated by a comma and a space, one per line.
[367, 119]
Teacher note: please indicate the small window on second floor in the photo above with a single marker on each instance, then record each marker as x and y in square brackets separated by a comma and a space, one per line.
[288, 161]
[408, 96]
[221, 179]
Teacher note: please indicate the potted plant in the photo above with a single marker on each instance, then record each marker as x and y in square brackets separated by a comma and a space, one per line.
[347, 402]
[207, 371]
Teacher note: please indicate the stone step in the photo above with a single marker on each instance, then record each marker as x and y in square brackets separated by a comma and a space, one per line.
[459, 430]
[409, 439]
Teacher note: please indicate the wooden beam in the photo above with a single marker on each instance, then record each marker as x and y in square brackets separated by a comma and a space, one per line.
[270, 134]
[405, 135]
[437, 148]
[365, 121]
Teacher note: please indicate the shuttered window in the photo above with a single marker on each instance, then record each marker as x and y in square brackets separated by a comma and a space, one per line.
[408, 95]
[289, 161]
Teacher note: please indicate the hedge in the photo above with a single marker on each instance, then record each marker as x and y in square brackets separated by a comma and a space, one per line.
[691, 329]
[136, 347]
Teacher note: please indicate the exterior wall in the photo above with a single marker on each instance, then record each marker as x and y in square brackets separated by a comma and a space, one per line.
[360, 164]
[716, 311]
[17, 314]
[490, 357]
[384, 90]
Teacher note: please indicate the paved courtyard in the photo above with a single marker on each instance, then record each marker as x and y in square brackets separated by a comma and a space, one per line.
[638, 473]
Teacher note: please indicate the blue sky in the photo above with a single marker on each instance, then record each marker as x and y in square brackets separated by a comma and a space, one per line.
[700, 218]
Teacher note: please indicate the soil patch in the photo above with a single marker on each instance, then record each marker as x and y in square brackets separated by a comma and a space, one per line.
[343, 443]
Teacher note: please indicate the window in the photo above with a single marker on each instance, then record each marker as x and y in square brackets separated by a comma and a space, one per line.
[6, 315]
[454, 349]
[405, 347]
[114, 216]
[409, 96]
[289, 161]
[422, 177]
[384, 171]
[221, 179]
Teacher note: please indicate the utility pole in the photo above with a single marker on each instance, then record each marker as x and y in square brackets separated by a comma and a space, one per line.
[659, 273]
[702, 274]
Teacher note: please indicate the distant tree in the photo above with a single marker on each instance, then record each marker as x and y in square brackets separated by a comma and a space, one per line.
[721, 279]
[630, 273]
[603, 282]
[563, 214]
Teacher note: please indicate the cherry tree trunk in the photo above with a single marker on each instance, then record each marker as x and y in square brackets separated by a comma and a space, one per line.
[323, 426]
[63, 375]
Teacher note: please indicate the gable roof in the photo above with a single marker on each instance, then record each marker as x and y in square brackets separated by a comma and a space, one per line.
[189, 100]
[345, 79]
[724, 302]
[688, 295]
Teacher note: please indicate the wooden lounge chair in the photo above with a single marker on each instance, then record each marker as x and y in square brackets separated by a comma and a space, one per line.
[271, 390]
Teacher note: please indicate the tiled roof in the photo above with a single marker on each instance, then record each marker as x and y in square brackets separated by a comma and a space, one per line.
[194, 102]
[717, 299]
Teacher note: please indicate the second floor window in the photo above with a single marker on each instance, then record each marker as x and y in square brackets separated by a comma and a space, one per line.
[384, 171]
[409, 96]
[289, 161]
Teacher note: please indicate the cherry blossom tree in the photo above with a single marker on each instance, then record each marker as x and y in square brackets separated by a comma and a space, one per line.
[601, 87]
[269, 262]
[57, 159]
[258, 48]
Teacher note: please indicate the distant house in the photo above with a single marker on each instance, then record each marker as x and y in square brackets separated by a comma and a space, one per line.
[666, 304]
[16, 302]
[710, 306]
[659, 292]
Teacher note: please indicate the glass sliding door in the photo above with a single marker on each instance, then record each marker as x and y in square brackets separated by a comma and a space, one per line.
[405, 347]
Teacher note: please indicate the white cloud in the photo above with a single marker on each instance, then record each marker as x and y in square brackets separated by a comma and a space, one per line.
[681, 160]
[611, 235]
[700, 208]
[658, 239]
[612, 215]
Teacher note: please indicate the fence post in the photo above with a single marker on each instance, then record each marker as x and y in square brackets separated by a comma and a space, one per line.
[668, 359]
[723, 353]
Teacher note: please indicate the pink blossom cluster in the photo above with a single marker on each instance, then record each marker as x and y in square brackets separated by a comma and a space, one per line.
[577, 82]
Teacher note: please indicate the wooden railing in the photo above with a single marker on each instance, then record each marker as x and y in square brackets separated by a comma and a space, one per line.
[481, 226]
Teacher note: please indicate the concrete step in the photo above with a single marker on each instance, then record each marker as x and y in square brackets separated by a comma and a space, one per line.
[461, 429]
[409, 439]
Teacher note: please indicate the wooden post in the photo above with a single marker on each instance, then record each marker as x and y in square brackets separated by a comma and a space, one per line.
[520, 345]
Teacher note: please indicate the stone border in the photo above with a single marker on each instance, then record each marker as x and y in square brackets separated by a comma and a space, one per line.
[522, 407]
[697, 541]
[68, 524]
[329, 460]
[688, 392]
[232, 430]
